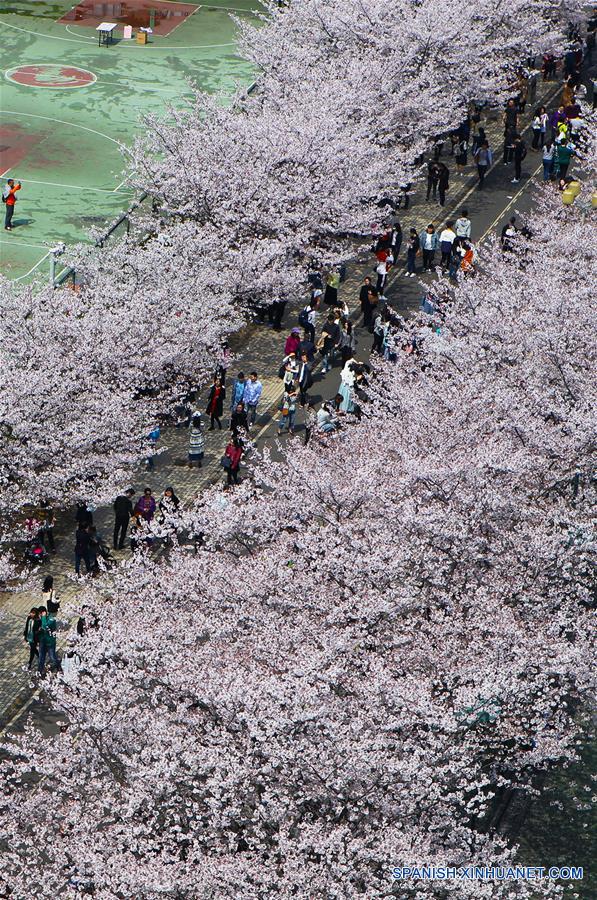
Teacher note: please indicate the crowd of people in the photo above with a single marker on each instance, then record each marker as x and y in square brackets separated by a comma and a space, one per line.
[326, 336]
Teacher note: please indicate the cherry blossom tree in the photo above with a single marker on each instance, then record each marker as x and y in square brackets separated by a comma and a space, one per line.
[293, 168]
[84, 374]
[374, 635]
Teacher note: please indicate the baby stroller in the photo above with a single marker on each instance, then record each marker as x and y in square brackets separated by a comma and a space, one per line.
[35, 552]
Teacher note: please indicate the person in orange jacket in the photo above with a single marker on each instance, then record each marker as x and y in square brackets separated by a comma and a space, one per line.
[9, 199]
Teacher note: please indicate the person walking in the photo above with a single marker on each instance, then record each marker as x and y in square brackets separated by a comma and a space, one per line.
[332, 283]
[446, 240]
[123, 510]
[145, 505]
[562, 157]
[292, 342]
[48, 596]
[433, 173]
[169, 503]
[82, 549]
[47, 641]
[308, 317]
[348, 340]
[484, 160]
[233, 452]
[304, 379]
[478, 139]
[548, 157]
[510, 129]
[196, 441]
[462, 226]
[443, 183]
[31, 634]
[539, 127]
[238, 391]
[215, 402]
[330, 337]
[382, 274]
[378, 333]
[520, 152]
[253, 391]
[289, 401]
[461, 155]
[412, 248]
[239, 424]
[275, 313]
[396, 237]
[153, 437]
[346, 389]
[428, 242]
[366, 308]
[9, 199]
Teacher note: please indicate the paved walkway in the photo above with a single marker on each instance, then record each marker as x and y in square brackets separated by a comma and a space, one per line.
[262, 350]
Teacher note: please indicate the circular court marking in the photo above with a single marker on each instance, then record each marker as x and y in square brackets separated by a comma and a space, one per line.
[51, 75]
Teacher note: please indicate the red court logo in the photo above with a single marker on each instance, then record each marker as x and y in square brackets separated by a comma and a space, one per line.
[48, 75]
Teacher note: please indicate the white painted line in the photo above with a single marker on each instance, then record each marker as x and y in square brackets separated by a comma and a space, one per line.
[73, 32]
[85, 41]
[182, 22]
[18, 243]
[11, 112]
[528, 183]
[33, 268]
[75, 187]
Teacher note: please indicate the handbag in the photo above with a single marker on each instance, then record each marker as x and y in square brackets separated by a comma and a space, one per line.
[226, 462]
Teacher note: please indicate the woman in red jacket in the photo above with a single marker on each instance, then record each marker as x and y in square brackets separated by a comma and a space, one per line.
[234, 452]
[293, 342]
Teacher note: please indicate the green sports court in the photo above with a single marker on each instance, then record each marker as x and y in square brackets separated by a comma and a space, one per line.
[68, 104]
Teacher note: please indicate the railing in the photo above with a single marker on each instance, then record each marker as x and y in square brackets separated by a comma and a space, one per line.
[69, 271]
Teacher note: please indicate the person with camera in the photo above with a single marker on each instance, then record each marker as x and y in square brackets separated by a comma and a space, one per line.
[9, 199]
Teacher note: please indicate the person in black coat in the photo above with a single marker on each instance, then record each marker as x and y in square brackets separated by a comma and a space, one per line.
[123, 510]
[215, 402]
[84, 516]
[304, 378]
[31, 634]
[82, 549]
[364, 301]
[433, 171]
[239, 424]
[443, 182]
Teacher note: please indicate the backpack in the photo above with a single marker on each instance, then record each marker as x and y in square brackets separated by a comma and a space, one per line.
[303, 317]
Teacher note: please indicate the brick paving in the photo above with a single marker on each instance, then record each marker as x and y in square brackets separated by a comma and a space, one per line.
[260, 348]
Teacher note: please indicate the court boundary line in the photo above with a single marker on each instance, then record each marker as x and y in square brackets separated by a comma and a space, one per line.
[75, 34]
[197, 6]
[85, 41]
[23, 244]
[76, 187]
[9, 112]
[51, 87]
